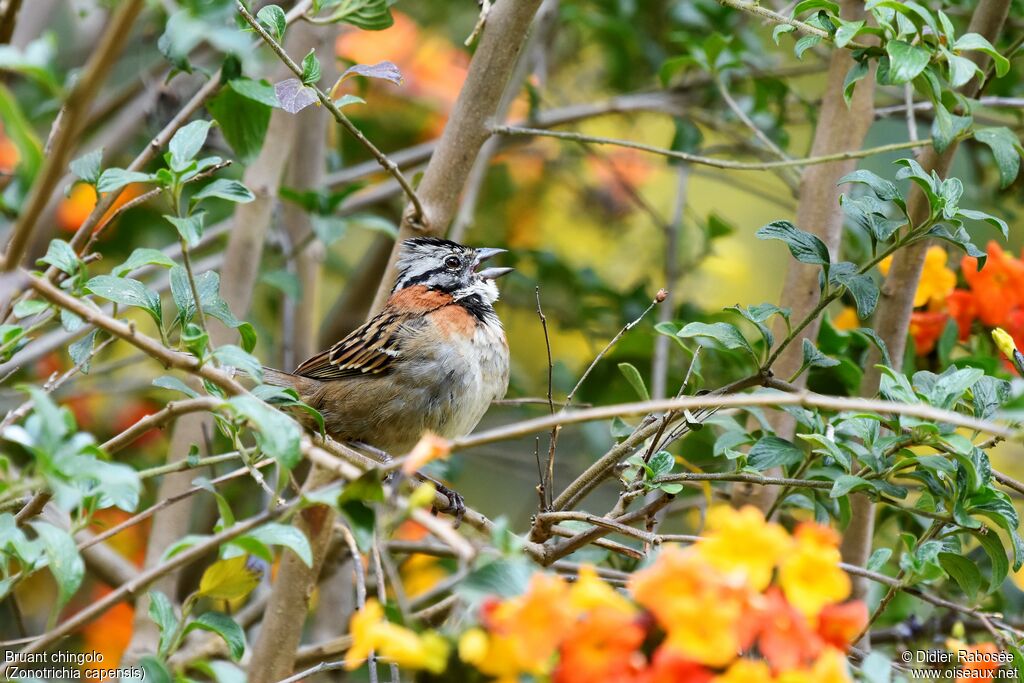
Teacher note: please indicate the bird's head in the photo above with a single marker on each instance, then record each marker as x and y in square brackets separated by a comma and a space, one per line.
[449, 267]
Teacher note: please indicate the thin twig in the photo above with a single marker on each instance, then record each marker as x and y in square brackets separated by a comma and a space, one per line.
[389, 166]
[709, 161]
[547, 479]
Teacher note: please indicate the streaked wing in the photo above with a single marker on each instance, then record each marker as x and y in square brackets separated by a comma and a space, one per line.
[368, 350]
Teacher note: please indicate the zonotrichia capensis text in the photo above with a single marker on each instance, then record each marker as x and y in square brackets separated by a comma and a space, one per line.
[432, 360]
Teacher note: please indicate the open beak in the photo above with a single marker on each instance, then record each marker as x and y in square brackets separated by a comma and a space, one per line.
[490, 273]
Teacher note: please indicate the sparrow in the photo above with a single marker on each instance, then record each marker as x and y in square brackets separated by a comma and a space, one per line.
[432, 360]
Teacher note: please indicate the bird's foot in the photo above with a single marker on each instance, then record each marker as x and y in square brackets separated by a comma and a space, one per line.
[456, 506]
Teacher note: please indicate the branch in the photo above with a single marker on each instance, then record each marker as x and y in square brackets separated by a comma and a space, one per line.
[710, 161]
[127, 332]
[389, 166]
[66, 129]
[775, 17]
[805, 399]
[167, 413]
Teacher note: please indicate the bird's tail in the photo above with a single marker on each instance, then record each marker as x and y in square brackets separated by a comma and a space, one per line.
[303, 385]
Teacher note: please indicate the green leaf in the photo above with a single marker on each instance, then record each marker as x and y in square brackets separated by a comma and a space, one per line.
[208, 285]
[974, 41]
[231, 190]
[906, 61]
[884, 189]
[369, 15]
[230, 579]
[115, 178]
[856, 73]
[175, 384]
[722, 334]
[500, 577]
[878, 559]
[776, 34]
[847, 483]
[277, 434]
[186, 143]
[29, 307]
[190, 228]
[1007, 150]
[772, 451]
[860, 285]
[63, 559]
[362, 521]
[154, 670]
[140, 257]
[804, 44]
[81, 350]
[632, 376]
[988, 218]
[243, 120]
[310, 69]
[816, 359]
[161, 611]
[273, 20]
[87, 167]
[961, 69]
[233, 356]
[127, 292]
[661, 463]
[804, 246]
[287, 536]
[347, 99]
[847, 31]
[992, 546]
[258, 91]
[61, 256]
[225, 627]
[946, 127]
[963, 571]
[879, 343]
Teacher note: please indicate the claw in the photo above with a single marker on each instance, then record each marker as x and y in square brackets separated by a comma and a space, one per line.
[456, 503]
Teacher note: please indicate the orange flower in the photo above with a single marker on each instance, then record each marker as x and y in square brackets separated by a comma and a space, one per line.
[9, 154]
[742, 541]
[830, 667]
[937, 280]
[534, 623]
[926, 327]
[589, 592]
[700, 610]
[601, 646]
[810, 576]
[76, 207]
[963, 310]
[430, 447]
[838, 625]
[371, 631]
[977, 670]
[668, 666]
[786, 639]
[998, 287]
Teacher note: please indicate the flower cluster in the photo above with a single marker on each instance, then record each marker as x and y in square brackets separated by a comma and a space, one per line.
[993, 296]
[748, 602]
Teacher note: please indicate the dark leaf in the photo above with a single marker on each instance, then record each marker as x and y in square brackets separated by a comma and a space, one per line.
[293, 96]
[387, 71]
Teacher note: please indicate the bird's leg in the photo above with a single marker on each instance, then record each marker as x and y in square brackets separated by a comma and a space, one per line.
[381, 456]
[456, 503]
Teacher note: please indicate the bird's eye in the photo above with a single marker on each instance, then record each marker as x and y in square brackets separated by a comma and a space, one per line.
[452, 262]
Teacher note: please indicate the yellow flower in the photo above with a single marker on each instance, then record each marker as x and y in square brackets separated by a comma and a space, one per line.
[364, 629]
[473, 646]
[741, 540]
[937, 280]
[1004, 342]
[847, 319]
[590, 592]
[707, 631]
[372, 632]
[746, 671]
[810, 575]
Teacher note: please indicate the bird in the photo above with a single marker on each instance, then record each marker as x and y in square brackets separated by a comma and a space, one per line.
[432, 360]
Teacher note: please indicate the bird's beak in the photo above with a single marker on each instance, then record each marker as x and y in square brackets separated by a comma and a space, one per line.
[491, 273]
